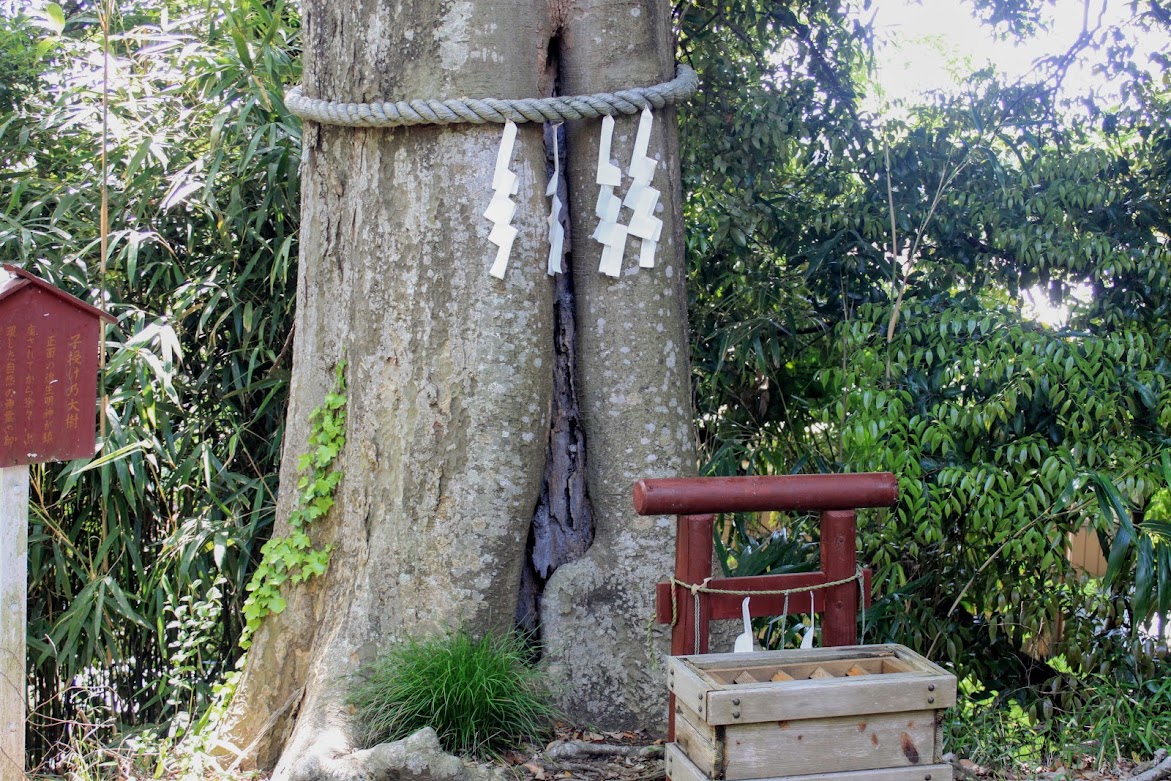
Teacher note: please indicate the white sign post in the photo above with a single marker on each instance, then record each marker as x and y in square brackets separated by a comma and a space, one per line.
[13, 595]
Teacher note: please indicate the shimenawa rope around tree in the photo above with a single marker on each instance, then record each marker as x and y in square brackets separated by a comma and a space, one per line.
[480, 111]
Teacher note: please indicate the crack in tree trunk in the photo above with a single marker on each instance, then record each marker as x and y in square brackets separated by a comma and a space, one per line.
[563, 525]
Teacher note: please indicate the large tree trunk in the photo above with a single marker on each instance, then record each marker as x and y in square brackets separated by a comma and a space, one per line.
[635, 387]
[450, 370]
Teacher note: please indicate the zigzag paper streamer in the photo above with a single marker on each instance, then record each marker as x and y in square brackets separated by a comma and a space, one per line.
[609, 232]
[641, 198]
[556, 229]
[501, 208]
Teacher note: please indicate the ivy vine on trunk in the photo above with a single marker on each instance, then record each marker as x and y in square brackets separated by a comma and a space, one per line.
[293, 558]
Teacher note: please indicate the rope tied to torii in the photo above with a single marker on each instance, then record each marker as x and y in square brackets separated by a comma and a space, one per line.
[479, 111]
[702, 588]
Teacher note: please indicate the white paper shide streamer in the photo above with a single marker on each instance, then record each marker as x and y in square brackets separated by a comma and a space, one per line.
[641, 198]
[610, 233]
[556, 229]
[501, 208]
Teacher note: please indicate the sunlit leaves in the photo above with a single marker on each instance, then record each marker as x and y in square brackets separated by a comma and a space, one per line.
[815, 232]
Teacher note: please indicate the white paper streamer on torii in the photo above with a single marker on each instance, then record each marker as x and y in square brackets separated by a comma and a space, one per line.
[501, 208]
[556, 229]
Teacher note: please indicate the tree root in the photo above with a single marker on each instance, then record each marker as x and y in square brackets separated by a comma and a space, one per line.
[576, 749]
[415, 758]
[581, 769]
[421, 758]
[574, 757]
[1160, 771]
[278, 717]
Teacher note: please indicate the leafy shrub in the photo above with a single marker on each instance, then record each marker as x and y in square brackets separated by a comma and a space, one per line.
[1076, 720]
[749, 544]
[991, 729]
[1118, 718]
[479, 694]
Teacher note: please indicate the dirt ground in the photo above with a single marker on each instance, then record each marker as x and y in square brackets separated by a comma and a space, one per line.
[590, 756]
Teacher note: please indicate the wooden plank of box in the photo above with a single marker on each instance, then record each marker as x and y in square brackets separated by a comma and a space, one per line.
[790, 748]
[680, 768]
[831, 710]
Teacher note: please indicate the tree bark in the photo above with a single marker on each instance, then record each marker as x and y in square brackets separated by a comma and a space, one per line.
[563, 523]
[448, 376]
[450, 370]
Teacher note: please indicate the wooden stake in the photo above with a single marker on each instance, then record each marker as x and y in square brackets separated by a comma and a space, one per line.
[839, 558]
[693, 564]
[13, 596]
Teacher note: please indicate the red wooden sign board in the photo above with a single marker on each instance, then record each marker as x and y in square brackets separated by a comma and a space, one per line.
[48, 389]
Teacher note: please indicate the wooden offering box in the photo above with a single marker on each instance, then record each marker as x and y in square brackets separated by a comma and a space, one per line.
[852, 713]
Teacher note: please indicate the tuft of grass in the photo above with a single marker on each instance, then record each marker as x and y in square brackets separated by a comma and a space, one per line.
[480, 695]
[1116, 719]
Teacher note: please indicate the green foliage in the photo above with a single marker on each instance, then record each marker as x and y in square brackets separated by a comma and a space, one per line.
[480, 695]
[1007, 435]
[862, 292]
[140, 556]
[779, 101]
[1115, 718]
[996, 432]
[1094, 721]
[775, 544]
[22, 49]
[990, 730]
[293, 558]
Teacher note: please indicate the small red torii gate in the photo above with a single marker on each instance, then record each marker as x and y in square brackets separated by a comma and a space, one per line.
[696, 500]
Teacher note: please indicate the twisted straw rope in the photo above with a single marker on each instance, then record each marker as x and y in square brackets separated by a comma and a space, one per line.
[702, 588]
[480, 111]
